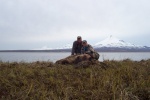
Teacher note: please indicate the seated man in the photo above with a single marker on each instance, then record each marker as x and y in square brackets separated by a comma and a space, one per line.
[88, 49]
[77, 45]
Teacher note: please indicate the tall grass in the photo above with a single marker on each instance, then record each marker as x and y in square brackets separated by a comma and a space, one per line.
[120, 80]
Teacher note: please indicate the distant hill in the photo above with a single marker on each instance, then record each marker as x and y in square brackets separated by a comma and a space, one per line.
[110, 44]
[114, 42]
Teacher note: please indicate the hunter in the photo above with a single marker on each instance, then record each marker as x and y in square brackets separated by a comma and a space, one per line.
[88, 49]
[77, 45]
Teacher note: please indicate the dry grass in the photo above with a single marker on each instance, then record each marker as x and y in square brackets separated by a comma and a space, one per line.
[119, 80]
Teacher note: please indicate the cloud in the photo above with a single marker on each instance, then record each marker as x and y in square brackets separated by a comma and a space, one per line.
[54, 21]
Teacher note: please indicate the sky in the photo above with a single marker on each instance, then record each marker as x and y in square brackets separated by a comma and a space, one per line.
[35, 24]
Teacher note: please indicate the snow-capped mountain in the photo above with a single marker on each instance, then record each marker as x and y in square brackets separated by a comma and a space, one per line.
[110, 44]
[115, 43]
[67, 46]
[43, 48]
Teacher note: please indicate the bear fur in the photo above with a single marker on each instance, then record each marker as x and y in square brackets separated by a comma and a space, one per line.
[83, 60]
[74, 59]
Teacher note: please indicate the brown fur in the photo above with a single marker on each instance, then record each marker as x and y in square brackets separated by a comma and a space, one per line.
[83, 60]
[74, 59]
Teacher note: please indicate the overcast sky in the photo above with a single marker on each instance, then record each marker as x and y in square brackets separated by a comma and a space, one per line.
[30, 24]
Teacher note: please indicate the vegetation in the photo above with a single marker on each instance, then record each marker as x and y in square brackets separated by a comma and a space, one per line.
[119, 80]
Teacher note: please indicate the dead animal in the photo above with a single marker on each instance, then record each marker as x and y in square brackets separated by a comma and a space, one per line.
[74, 59]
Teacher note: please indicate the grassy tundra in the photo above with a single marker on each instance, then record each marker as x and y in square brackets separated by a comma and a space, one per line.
[112, 80]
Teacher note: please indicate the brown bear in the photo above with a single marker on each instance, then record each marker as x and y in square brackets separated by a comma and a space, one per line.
[82, 60]
[74, 59]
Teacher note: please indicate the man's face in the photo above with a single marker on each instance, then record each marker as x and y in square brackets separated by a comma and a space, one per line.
[79, 40]
[84, 44]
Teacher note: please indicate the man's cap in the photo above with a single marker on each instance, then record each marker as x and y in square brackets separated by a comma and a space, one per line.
[79, 37]
[84, 41]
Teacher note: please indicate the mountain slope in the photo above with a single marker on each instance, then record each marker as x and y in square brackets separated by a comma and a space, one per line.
[110, 44]
[67, 46]
[115, 43]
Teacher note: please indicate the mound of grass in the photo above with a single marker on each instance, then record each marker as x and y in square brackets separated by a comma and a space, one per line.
[119, 80]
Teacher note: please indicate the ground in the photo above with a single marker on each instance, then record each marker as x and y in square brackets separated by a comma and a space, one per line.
[108, 80]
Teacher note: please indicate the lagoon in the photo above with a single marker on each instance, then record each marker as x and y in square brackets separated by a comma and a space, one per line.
[54, 56]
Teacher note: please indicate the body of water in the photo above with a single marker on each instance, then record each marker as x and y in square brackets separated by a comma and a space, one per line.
[52, 56]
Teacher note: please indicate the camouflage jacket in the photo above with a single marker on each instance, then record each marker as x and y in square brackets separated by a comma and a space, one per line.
[89, 50]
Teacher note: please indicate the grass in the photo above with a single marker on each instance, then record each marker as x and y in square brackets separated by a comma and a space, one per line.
[120, 80]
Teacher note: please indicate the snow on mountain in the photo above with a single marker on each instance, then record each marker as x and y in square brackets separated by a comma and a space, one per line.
[67, 46]
[43, 48]
[115, 42]
[111, 42]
